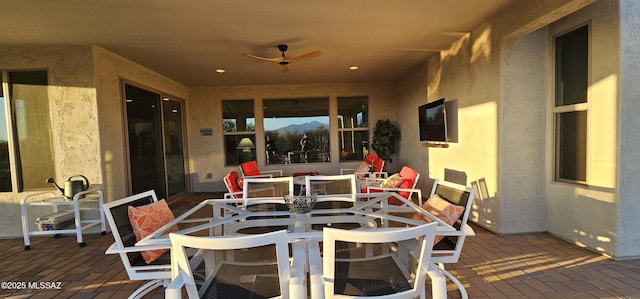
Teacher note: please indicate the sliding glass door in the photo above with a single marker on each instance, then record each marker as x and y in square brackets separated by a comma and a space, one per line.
[155, 142]
[173, 154]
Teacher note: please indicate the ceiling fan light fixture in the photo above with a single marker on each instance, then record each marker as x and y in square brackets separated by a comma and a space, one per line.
[284, 60]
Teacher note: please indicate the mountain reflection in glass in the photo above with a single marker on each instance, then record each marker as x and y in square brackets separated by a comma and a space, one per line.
[287, 121]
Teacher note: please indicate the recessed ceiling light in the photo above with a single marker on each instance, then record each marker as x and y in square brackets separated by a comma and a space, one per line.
[220, 71]
[353, 67]
[166, 99]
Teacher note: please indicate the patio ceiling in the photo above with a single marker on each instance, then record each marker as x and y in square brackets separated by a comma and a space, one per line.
[188, 40]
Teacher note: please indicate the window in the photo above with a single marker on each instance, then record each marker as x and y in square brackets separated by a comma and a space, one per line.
[353, 127]
[296, 130]
[570, 109]
[32, 143]
[5, 165]
[238, 126]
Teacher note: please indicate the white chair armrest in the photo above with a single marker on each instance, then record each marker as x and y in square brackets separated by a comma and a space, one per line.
[231, 195]
[438, 282]
[259, 176]
[174, 289]
[273, 172]
[115, 249]
[468, 231]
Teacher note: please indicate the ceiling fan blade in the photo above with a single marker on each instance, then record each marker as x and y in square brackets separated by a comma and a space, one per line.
[278, 59]
[284, 68]
[304, 56]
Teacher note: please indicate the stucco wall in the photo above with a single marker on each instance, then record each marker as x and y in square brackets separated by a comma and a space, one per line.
[466, 75]
[588, 215]
[628, 210]
[204, 110]
[412, 89]
[73, 117]
[522, 126]
[495, 80]
[110, 70]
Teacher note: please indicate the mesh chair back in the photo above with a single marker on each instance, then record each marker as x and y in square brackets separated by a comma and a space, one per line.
[119, 214]
[454, 196]
[458, 195]
[350, 270]
[240, 266]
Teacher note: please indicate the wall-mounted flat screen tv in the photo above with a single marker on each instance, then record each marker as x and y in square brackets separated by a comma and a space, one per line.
[433, 121]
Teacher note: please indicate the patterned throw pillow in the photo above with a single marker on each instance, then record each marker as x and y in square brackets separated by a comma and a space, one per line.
[363, 167]
[240, 183]
[147, 219]
[392, 181]
[444, 210]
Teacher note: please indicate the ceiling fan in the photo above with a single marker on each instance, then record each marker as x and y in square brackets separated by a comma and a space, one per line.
[283, 60]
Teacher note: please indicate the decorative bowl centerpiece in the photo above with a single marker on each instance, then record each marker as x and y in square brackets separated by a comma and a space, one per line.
[300, 204]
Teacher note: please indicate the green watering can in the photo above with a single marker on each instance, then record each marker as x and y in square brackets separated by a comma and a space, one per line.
[72, 187]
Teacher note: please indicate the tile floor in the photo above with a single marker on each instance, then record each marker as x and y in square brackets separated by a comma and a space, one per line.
[492, 266]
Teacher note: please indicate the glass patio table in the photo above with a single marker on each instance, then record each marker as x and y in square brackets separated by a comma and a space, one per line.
[259, 215]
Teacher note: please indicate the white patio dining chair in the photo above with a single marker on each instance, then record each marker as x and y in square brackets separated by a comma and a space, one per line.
[277, 186]
[448, 249]
[251, 169]
[346, 271]
[335, 192]
[158, 271]
[406, 188]
[261, 194]
[335, 187]
[245, 266]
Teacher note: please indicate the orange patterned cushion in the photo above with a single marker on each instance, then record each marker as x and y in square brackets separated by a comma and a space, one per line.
[444, 210]
[147, 219]
[392, 181]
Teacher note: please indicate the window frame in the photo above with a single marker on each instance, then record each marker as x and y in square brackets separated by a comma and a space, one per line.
[558, 109]
[260, 151]
[238, 135]
[318, 148]
[342, 129]
[15, 170]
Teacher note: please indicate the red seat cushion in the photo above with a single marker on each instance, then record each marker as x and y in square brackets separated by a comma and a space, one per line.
[232, 182]
[377, 165]
[409, 176]
[250, 168]
[370, 158]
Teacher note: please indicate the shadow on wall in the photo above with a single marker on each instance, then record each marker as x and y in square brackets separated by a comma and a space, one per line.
[484, 204]
[451, 108]
[455, 176]
[483, 213]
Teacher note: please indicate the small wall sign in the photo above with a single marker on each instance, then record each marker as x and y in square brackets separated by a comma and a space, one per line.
[206, 131]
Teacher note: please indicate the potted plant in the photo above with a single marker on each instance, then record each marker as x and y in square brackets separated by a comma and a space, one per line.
[385, 137]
